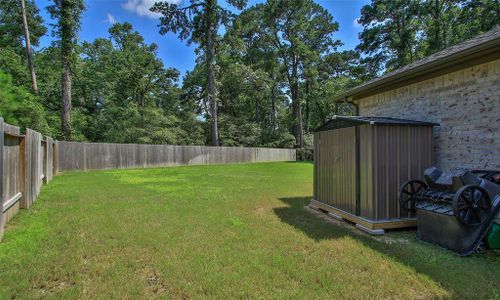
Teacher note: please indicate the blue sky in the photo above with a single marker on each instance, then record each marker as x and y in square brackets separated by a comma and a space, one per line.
[100, 14]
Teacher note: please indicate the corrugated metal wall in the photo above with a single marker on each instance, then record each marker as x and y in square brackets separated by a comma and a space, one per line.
[335, 168]
[388, 156]
[366, 171]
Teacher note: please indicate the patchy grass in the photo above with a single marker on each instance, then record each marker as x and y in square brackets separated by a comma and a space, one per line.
[232, 231]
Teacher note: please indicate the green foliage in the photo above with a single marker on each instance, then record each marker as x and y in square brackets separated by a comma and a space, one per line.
[13, 59]
[237, 132]
[276, 66]
[277, 138]
[19, 107]
[199, 22]
[447, 22]
[126, 95]
[389, 35]
[67, 14]
[13, 63]
[307, 152]
[399, 32]
[12, 34]
[276, 59]
[479, 16]
[300, 34]
[49, 87]
[192, 20]
[146, 126]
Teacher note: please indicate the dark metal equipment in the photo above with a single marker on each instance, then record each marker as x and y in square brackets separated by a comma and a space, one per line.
[454, 209]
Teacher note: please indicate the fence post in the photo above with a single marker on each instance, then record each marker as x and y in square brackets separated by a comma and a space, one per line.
[22, 171]
[26, 170]
[55, 166]
[84, 157]
[45, 159]
[49, 159]
[2, 173]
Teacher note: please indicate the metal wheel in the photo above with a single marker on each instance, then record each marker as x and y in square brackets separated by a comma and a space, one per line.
[471, 205]
[481, 248]
[408, 192]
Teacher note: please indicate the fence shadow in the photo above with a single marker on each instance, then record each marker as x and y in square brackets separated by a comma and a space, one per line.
[438, 264]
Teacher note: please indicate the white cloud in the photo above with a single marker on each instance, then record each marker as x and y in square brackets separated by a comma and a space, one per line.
[356, 23]
[141, 7]
[111, 19]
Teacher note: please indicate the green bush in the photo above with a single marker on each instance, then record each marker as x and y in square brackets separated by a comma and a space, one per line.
[20, 107]
[306, 153]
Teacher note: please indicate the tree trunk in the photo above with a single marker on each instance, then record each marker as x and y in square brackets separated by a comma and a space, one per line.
[210, 56]
[438, 42]
[257, 108]
[257, 111]
[308, 116]
[297, 115]
[296, 108]
[31, 66]
[66, 55]
[66, 103]
[273, 105]
[322, 113]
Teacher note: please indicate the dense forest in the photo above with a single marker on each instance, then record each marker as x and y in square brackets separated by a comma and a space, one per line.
[264, 76]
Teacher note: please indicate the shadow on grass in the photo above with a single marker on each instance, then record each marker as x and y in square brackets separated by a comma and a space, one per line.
[455, 274]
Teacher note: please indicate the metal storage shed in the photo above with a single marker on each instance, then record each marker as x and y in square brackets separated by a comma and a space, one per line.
[360, 163]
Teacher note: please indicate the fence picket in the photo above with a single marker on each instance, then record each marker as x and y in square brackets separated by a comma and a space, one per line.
[3, 175]
[71, 156]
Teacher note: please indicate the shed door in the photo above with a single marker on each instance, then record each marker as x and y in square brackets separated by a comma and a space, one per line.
[335, 168]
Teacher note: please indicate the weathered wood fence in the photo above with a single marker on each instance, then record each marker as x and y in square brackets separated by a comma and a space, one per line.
[95, 156]
[26, 163]
[30, 159]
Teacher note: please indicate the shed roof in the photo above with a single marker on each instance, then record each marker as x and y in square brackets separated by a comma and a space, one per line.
[349, 121]
[487, 44]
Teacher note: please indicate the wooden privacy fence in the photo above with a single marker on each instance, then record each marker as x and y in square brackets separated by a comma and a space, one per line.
[29, 160]
[95, 156]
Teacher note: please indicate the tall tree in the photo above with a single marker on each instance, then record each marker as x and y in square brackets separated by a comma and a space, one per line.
[244, 44]
[28, 48]
[285, 39]
[11, 24]
[389, 34]
[13, 50]
[301, 31]
[18, 106]
[440, 25]
[478, 16]
[68, 14]
[126, 95]
[198, 22]
[398, 32]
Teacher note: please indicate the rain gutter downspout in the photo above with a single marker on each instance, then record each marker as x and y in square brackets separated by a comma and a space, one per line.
[353, 104]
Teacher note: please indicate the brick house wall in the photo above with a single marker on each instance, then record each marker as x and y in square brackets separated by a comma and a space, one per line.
[466, 103]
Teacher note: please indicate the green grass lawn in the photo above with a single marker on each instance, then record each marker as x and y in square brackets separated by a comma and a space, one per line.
[226, 231]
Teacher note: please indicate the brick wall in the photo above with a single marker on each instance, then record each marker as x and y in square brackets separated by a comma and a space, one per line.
[467, 105]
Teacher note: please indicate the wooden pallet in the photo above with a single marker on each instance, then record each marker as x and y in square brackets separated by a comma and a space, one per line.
[369, 226]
